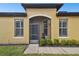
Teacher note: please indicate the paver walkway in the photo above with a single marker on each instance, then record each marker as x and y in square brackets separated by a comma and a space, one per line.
[34, 48]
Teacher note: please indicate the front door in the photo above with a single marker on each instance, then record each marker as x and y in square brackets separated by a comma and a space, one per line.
[34, 33]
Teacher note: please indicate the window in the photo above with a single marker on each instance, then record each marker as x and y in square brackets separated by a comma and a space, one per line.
[46, 27]
[19, 27]
[63, 27]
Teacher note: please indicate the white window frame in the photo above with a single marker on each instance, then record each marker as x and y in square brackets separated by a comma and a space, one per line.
[18, 19]
[64, 18]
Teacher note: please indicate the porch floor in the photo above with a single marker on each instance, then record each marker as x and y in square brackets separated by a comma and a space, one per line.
[34, 48]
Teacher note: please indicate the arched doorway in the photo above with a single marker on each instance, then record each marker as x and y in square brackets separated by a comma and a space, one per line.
[39, 27]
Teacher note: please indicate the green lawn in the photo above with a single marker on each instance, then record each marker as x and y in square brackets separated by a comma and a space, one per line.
[12, 50]
[18, 50]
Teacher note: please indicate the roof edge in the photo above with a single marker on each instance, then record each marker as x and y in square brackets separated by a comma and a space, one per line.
[6, 14]
[65, 13]
[42, 5]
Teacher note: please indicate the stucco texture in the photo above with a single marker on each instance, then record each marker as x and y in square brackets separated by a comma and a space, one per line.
[7, 31]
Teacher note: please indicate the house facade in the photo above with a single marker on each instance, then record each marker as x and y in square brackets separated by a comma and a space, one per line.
[39, 20]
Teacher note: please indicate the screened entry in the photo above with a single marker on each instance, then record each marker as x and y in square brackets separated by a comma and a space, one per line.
[39, 27]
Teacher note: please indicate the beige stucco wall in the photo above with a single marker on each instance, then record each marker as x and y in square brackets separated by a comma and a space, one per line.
[73, 27]
[7, 31]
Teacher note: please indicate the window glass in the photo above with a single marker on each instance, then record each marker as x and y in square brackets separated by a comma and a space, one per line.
[63, 27]
[19, 27]
[46, 27]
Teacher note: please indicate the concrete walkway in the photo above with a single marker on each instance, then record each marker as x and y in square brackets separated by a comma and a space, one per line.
[34, 48]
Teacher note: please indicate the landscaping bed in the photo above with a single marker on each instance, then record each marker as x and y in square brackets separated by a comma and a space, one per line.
[59, 42]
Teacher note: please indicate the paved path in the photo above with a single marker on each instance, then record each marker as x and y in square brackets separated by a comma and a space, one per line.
[34, 48]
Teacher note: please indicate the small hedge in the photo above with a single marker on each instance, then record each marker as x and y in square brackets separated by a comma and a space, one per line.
[68, 42]
[72, 42]
[49, 42]
[56, 42]
[77, 42]
[64, 42]
[59, 42]
[42, 42]
[45, 42]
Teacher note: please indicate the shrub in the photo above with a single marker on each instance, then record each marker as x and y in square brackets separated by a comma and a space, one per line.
[64, 42]
[77, 43]
[42, 42]
[68, 42]
[56, 42]
[71, 42]
[49, 42]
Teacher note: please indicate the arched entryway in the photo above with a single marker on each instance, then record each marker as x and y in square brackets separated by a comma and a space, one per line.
[39, 27]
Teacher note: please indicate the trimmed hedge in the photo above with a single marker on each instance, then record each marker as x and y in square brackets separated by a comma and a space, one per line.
[42, 42]
[59, 42]
[56, 42]
[49, 42]
[64, 42]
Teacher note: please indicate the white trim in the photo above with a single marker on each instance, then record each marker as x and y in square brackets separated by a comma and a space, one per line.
[64, 27]
[18, 37]
[63, 18]
[63, 37]
[16, 19]
[40, 15]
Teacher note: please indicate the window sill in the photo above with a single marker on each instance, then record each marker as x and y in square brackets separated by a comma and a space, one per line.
[18, 37]
[63, 37]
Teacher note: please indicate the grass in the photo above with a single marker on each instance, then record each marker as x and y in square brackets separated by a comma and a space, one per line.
[13, 50]
[18, 50]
